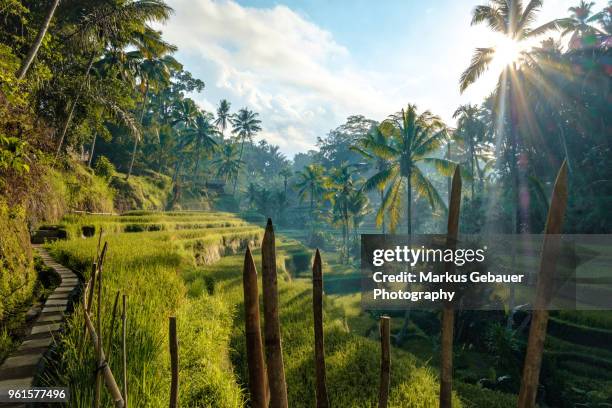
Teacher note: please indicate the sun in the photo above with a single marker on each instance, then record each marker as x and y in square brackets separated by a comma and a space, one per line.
[507, 51]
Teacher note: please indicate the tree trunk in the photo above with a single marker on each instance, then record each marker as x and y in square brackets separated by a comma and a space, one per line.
[27, 61]
[197, 163]
[142, 112]
[544, 286]
[93, 146]
[73, 105]
[409, 203]
[240, 159]
[382, 197]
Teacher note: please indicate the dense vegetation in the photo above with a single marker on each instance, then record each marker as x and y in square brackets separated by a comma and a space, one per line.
[96, 116]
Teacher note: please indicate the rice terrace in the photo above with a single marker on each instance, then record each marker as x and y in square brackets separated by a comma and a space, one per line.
[274, 204]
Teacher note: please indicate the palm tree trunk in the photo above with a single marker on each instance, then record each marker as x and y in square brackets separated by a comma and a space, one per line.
[27, 61]
[240, 159]
[142, 112]
[382, 197]
[409, 206]
[73, 105]
[197, 163]
[93, 146]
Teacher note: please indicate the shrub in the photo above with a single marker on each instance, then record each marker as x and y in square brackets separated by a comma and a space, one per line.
[104, 168]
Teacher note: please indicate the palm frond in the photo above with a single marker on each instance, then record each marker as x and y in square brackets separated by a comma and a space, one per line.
[480, 62]
[443, 166]
[380, 179]
[424, 188]
[489, 15]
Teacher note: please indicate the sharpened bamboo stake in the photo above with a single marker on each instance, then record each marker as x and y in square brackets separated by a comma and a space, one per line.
[124, 349]
[174, 363]
[539, 319]
[385, 361]
[448, 314]
[317, 307]
[254, 348]
[274, 350]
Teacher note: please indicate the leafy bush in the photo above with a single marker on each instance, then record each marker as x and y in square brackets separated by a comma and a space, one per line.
[104, 168]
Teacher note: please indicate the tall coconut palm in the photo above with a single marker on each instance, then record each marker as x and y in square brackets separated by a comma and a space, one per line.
[364, 146]
[580, 25]
[223, 115]
[471, 131]
[341, 186]
[29, 58]
[285, 173]
[358, 207]
[228, 164]
[245, 125]
[310, 183]
[510, 19]
[202, 133]
[413, 137]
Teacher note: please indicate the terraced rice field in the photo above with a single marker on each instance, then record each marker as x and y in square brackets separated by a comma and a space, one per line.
[190, 265]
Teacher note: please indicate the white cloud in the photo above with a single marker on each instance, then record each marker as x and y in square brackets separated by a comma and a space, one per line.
[291, 71]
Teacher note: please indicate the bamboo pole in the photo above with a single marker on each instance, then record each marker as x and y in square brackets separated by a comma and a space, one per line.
[109, 380]
[274, 350]
[539, 320]
[112, 328]
[317, 306]
[124, 349]
[254, 348]
[100, 360]
[385, 361]
[174, 363]
[448, 314]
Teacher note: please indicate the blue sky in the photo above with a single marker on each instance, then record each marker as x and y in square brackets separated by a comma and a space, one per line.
[305, 66]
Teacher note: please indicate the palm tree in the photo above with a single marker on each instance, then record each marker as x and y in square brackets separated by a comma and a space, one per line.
[245, 124]
[364, 146]
[514, 22]
[228, 164]
[580, 25]
[285, 173]
[202, 133]
[29, 58]
[470, 130]
[358, 207]
[412, 137]
[154, 72]
[310, 184]
[251, 194]
[223, 115]
[110, 25]
[340, 186]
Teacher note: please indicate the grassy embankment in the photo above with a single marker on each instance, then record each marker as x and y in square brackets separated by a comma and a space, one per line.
[189, 265]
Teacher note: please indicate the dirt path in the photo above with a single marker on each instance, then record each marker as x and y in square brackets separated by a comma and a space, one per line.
[21, 367]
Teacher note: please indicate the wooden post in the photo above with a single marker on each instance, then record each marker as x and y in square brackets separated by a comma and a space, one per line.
[317, 307]
[100, 361]
[448, 314]
[124, 350]
[274, 350]
[385, 361]
[254, 348]
[111, 331]
[539, 320]
[174, 363]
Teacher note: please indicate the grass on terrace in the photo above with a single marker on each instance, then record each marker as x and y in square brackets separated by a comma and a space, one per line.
[159, 272]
